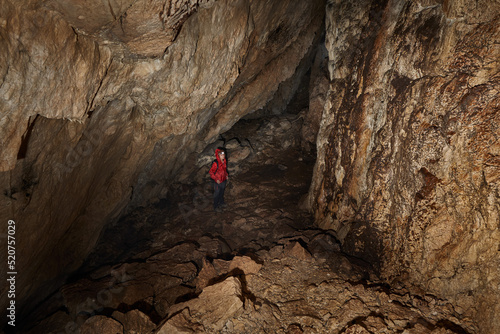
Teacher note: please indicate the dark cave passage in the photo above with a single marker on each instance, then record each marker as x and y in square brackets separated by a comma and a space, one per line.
[268, 184]
[263, 195]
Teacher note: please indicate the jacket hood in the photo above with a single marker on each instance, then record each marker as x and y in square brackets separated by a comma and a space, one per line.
[217, 151]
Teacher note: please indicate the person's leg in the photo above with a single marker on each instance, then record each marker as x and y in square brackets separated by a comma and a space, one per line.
[219, 194]
[216, 195]
[222, 190]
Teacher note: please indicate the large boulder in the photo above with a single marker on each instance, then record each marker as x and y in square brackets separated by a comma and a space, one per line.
[209, 312]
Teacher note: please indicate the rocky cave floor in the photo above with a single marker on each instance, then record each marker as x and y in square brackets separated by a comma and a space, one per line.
[258, 267]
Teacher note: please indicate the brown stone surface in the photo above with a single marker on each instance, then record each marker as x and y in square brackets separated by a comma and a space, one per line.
[211, 272]
[212, 309]
[295, 250]
[318, 91]
[59, 319]
[134, 322]
[101, 324]
[407, 172]
[103, 101]
[105, 104]
[260, 266]
[244, 265]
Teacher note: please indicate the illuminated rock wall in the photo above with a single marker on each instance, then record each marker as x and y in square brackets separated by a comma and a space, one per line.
[408, 163]
[101, 105]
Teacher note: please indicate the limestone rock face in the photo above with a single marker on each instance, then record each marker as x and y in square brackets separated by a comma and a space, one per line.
[318, 91]
[408, 154]
[143, 28]
[102, 102]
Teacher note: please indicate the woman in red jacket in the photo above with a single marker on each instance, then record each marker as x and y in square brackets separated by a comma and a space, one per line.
[218, 172]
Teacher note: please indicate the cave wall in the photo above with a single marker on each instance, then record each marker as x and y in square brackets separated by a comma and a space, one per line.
[101, 106]
[408, 170]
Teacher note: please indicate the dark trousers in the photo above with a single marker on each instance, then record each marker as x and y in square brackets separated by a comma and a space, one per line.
[219, 193]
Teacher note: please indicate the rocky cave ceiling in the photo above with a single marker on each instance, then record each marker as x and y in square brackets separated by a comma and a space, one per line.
[103, 102]
[100, 108]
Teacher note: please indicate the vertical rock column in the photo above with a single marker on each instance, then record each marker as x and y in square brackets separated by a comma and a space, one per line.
[408, 170]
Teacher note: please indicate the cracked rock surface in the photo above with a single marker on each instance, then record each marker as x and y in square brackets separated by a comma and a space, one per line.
[408, 153]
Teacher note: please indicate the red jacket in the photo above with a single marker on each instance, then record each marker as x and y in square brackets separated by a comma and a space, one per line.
[218, 174]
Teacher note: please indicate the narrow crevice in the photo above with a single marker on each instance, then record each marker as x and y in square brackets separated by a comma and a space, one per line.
[23, 148]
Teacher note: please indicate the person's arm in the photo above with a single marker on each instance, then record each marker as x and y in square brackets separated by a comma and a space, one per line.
[213, 170]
